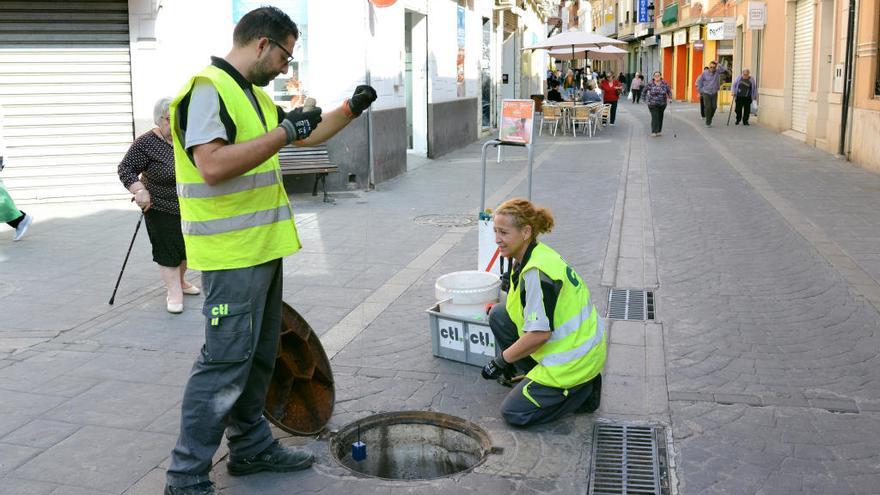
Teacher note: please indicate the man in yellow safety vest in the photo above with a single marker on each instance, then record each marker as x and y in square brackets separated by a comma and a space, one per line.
[237, 224]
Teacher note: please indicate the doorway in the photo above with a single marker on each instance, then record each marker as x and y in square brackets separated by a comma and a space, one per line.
[416, 77]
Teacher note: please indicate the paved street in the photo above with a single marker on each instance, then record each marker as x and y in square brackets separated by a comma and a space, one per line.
[764, 255]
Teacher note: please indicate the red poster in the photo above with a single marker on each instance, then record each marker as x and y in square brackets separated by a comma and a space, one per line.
[517, 117]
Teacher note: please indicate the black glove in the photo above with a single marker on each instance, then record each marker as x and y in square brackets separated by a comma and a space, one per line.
[497, 367]
[362, 98]
[299, 123]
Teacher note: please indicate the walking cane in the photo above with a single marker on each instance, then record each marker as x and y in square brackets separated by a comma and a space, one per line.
[137, 227]
[729, 111]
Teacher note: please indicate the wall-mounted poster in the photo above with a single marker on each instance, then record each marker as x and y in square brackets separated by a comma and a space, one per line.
[517, 117]
[459, 59]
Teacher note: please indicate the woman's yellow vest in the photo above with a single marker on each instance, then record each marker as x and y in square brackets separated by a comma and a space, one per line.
[243, 221]
[576, 351]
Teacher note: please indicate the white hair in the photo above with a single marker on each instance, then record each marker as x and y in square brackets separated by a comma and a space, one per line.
[160, 109]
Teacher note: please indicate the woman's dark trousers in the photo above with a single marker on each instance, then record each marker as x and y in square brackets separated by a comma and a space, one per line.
[743, 109]
[656, 118]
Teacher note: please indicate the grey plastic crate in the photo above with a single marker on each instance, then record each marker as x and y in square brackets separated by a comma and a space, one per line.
[460, 339]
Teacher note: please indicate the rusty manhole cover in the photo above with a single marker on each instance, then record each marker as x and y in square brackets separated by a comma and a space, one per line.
[445, 220]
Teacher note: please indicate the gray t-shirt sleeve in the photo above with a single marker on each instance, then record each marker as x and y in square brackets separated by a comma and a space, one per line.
[534, 312]
[203, 123]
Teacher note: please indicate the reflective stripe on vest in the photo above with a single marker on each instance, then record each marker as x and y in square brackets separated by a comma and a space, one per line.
[239, 222]
[578, 352]
[230, 186]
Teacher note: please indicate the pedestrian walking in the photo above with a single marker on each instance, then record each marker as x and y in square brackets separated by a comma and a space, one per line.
[611, 91]
[548, 328]
[9, 213]
[657, 96]
[237, 225]
[568, 85]
[636, 86]
[708, 85]
[744, 92]
[623, 80]
[702, 107]
[147, 171]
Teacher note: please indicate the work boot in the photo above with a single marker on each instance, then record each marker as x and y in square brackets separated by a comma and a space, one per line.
[592, 402]
[204, 488]
[276, 457]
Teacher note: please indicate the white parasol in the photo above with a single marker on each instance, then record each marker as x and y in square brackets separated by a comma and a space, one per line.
[608, 52]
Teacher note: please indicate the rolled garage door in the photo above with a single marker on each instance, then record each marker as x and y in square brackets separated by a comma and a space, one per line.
[65, 97]
[802, 79]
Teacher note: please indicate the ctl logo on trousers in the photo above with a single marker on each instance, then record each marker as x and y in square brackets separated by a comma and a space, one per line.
[218, 310]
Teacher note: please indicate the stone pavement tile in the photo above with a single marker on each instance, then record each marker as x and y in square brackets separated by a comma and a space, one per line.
[98, 458]
[23, 404]
[625, 360]
[835, 405]
[31, 374]
[153, 483]
[168, 422]
[15, 486]
[118, 404]
[40, 433]
[12, 456]
[130, 367]
[164, 334]
[750, 400]
[627, 333]
[11, 422]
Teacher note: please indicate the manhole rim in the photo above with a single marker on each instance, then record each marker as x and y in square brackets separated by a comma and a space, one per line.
[455, 220]
[431, 418]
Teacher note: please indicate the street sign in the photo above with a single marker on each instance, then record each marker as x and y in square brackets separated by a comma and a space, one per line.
[643, 11]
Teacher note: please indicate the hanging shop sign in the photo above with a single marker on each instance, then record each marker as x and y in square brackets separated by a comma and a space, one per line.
[698, 45]
[680, 37]
[721, 30]
[643, 11]
[694, 33]
[665, 40]
[757, 15]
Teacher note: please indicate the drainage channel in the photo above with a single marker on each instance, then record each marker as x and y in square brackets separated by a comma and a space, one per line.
[629, 460]
[410, 445]
[631, 304]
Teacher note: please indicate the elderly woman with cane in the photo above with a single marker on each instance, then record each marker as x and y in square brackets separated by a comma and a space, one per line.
[147, 171]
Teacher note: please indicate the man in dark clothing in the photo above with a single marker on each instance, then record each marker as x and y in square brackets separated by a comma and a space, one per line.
[553, 94]
[744, 91]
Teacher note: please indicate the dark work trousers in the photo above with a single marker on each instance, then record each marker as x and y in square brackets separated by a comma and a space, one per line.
[613, 111]
[228, 383]
[656, 118]
[710, 104]
[702, 108]
[743, 109]
[530, 403]
[637, 95]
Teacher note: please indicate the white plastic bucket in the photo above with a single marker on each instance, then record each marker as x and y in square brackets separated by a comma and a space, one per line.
[466, 293]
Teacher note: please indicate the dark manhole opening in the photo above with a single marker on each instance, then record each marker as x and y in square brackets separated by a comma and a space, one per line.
[631, 304]
[412, 445]
[446, 220]
[629, 459]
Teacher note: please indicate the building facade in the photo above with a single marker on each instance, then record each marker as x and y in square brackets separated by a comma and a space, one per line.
[78, 80]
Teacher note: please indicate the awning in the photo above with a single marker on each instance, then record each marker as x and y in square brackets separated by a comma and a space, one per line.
[670, 14]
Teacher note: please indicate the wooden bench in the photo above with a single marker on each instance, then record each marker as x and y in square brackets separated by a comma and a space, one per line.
[297, 160]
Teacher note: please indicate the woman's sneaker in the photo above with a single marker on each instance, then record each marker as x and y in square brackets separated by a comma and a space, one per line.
[22, 227]
[276, 458]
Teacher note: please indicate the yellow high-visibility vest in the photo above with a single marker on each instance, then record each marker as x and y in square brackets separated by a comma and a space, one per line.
[243, 221]
[576, 351]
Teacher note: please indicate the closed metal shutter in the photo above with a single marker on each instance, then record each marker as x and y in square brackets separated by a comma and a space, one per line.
[65, 97]
[803, 61]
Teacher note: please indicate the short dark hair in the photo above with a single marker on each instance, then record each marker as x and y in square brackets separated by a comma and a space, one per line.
[270, 22]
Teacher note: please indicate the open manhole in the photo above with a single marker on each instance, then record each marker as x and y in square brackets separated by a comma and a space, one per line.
[447, 220]
[412, 445]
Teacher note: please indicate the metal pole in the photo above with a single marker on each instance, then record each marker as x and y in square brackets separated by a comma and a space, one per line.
[371, 180]
[531, 155]
[847, 78]
[483, 181]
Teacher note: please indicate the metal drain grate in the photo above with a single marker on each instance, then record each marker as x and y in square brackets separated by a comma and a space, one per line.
[628, 460]
[631, 304]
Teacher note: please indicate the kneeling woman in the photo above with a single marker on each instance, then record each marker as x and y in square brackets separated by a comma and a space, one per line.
[549, 327]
